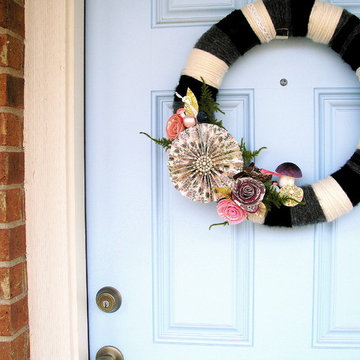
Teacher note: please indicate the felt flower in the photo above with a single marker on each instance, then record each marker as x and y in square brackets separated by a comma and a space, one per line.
[294, 194]
[174, 126]
[248, 193]
[259, 216]
[229, 211]
[204, 157]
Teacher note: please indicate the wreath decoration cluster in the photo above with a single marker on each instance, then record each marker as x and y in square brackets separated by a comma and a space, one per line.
[205, 161]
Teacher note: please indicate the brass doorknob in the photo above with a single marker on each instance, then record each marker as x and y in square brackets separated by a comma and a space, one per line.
[108, 299]
[109, 353]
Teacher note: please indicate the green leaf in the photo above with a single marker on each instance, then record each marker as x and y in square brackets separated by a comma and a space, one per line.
[273, 198]
[249, 155]
[217, 122]
[165, 143]
[218, 224]
[208, 105]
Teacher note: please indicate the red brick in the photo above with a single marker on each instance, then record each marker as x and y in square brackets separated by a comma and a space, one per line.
[11, 205]
[17, 280]
[4, 283]
[12, 16]
[5, 320]
[3, 167]
[13, 317]
[17, 349]
[12, 281]
[11, 91]
[11, 52]
[11, 168]
[5, 350]
[19, 315]
[11, 130]
[15, 168]
[12, 243]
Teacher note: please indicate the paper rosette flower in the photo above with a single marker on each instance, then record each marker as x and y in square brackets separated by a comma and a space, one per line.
[203, 157]
[248, 193]
[229, 211]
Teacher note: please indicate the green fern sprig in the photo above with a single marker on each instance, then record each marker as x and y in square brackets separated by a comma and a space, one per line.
[249, 155]
[208, 105]
[218, 224]
[165, 143]
[272, 197]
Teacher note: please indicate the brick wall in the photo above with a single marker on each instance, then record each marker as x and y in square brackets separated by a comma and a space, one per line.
[14, 330]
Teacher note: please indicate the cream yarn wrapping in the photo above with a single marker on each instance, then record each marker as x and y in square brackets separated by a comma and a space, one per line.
[332, 198]
[260, 21]
[323, 21]
[211, 68]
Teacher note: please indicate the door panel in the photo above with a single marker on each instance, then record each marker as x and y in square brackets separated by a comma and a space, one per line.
[190, 264]
[336, 315]
[173, 13]
[236, 292]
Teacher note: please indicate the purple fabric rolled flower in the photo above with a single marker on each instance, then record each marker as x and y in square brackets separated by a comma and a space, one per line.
[248, 193]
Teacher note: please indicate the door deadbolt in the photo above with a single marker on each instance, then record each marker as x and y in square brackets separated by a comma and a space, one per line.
[109, 353]
[108, 299]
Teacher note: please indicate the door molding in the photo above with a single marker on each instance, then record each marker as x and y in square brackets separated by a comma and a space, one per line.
[54, 182]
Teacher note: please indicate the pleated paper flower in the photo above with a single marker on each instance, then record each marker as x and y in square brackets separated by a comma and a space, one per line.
[203, 157]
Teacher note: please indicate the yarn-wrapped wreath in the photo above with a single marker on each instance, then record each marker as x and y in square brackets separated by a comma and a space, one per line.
[261, 22]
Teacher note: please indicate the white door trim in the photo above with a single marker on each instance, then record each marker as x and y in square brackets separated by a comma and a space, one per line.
[54, 181]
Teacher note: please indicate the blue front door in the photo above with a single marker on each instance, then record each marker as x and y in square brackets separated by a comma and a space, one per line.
[244, 292]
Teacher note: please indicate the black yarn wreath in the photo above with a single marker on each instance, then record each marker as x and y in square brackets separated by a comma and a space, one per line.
[262, 21]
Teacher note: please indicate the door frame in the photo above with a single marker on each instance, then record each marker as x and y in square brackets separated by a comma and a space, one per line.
[54, 181]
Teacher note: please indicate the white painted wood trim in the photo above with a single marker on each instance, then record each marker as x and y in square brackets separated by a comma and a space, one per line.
[54, 181]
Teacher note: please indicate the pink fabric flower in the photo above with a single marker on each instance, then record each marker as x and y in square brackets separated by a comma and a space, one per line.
[229, 211]
[174, 126]
[248, 193]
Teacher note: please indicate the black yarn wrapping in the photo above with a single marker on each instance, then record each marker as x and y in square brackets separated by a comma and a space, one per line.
[195, 86]
[279, 217]
[280, 13]
[310, 213]
[352, 53]
[347, 24]
[300, 14]
[239, 31]
[216, 42]
[233, 36]
[349, 181]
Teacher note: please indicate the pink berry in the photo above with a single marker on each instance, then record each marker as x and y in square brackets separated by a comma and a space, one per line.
[189, 121]
[181, 112]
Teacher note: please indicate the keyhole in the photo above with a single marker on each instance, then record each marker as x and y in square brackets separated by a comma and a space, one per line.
[108, 299]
